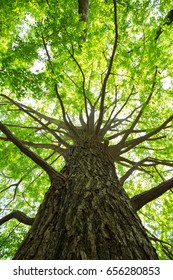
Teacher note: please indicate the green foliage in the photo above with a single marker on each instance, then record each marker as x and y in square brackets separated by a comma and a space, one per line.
[10, 239]
[41, 46]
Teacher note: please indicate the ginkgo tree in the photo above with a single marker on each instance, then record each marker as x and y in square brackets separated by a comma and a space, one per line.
[86, 129]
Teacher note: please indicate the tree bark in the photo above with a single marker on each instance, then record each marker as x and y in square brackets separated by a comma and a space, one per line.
[87, 217]
[83, 6]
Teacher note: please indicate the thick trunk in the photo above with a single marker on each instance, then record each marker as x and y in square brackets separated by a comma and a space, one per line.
[90, 217]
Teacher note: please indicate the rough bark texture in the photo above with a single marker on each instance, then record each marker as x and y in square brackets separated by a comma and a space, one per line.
[83, 6]
[89, 217]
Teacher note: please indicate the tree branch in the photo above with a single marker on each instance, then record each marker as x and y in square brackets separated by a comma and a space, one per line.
[68, 122]
[132, 143]
[26, 111]
[138, 201]
[111, 120]
[123, 147]
[141, 111]
[47, 53]
[131, 170]
[83, 6]
[123, 131]
[140, 165]
[83, 84]
[38, 114]
[156, 161]
[18, 215]
[76, 85]
[167, 21]
[38, 160]
[69, 126]
[12, 185]
[53, 147]
[104, 84]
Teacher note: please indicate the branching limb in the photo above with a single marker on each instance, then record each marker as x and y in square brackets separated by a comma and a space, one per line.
[56, 86]
[53, 147]
[83, 6]
[83, 84]
[38, 160]
[121, 147]
[131, 170]
[156, 161]
[141, 166]
[166, 247]
[167, 21]
[66, 118]
[138, 201]
[16, 185]
[113, 136]
[154, 238]
[47, 54]
[18, 215]
[158, 172]
[76, 85]
[111, 119]
[69, 126]
[132, 143]
[116, 122]
[81, 119]
[31, 110]
[23, 126]
[134, 123]
[148, 148]
[12, 185]
[105, 80]
[27, 111]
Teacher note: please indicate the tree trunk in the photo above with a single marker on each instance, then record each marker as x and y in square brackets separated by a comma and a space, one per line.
[89, 217]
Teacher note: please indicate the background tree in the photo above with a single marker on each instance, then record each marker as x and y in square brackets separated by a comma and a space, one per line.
[86, 87]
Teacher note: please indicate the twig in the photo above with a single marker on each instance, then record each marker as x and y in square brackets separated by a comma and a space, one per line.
[12, 185]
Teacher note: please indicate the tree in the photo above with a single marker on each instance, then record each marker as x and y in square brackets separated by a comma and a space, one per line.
[86, 129]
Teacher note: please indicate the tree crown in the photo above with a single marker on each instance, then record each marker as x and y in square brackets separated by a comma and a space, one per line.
[85, 71]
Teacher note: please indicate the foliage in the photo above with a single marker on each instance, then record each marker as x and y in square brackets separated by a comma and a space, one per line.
[42, 50]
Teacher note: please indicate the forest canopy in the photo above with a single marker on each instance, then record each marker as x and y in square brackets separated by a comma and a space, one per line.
[64, 71]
